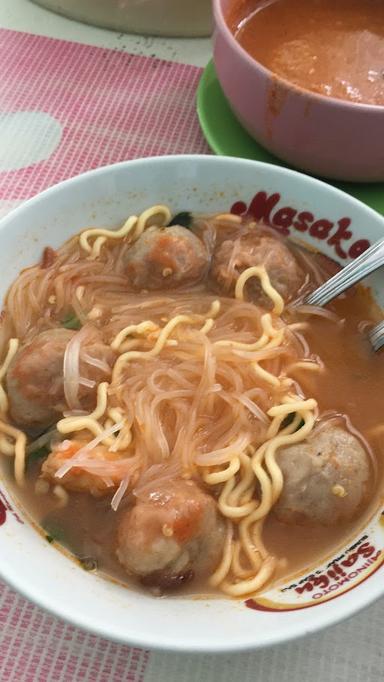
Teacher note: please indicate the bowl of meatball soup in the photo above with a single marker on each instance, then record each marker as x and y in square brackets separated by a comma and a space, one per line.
[191, 457]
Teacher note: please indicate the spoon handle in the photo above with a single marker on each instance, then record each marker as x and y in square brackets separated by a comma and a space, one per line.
[376, 336]
[355, 271]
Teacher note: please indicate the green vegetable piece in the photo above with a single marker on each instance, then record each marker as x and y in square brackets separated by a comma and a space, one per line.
[54, 532]
[184, 218]
[36, 455]
[71, 322]
[289, 419]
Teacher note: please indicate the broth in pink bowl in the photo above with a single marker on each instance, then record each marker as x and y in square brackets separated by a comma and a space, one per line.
[305, 79]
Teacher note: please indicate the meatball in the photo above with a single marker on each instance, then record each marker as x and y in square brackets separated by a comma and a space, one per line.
[172, 535]
[35, 378]
[164, 258]
[326, 477]
[250, 247]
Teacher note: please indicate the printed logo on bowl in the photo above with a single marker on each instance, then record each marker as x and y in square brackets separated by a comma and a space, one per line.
[290, 220]
[6, 508]
[348, 568]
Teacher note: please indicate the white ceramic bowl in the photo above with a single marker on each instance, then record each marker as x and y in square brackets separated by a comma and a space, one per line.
[41, 572]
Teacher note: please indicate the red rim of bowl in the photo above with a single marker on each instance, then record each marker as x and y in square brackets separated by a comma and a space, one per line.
[221, 23]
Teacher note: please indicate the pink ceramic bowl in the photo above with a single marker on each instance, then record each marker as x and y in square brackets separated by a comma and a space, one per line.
[324, 136]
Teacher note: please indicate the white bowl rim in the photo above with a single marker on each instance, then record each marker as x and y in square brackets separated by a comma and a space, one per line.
[197, 646]
[170, 158]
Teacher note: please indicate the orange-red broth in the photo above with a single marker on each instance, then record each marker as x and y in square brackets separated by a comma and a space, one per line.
[351, 384]
[334, 48]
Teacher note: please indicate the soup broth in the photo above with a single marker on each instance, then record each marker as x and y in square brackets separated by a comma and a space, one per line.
[204, 404]
[332, 48]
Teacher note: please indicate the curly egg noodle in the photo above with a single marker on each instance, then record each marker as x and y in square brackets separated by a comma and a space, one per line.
[200, 385]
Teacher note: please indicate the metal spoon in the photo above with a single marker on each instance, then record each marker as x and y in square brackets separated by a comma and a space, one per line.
[364, 265]
[376, 336]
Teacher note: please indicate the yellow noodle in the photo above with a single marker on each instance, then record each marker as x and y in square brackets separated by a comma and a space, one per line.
[75, 424]
[214, 309]
[207, 326]
[261, 273]
[276, 340]
[267, 326]
[233, 511]
[80, 292]
[3, 401]
[107, 234]
[228, 217]
[257, 530]
[293, 406]
[6, 447]
[255, 555]
[95, 313]
[306, 364]
[102, 398]
[124, 438]
[222, 570]
[236, 567]
[155, 215]
[245, 487]
[69, 424]
[289, 439]
[13, 346]
[265, 376]
[141, 328]
[265, 483]
[268, 332]
[20, 445]
[251, 585]
[129, 345]
[157, 348]
[213, 478]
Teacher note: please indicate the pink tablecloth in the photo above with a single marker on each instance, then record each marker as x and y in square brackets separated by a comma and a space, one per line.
[68, 107]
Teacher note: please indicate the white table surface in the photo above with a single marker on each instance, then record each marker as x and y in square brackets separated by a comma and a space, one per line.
[23, 15]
